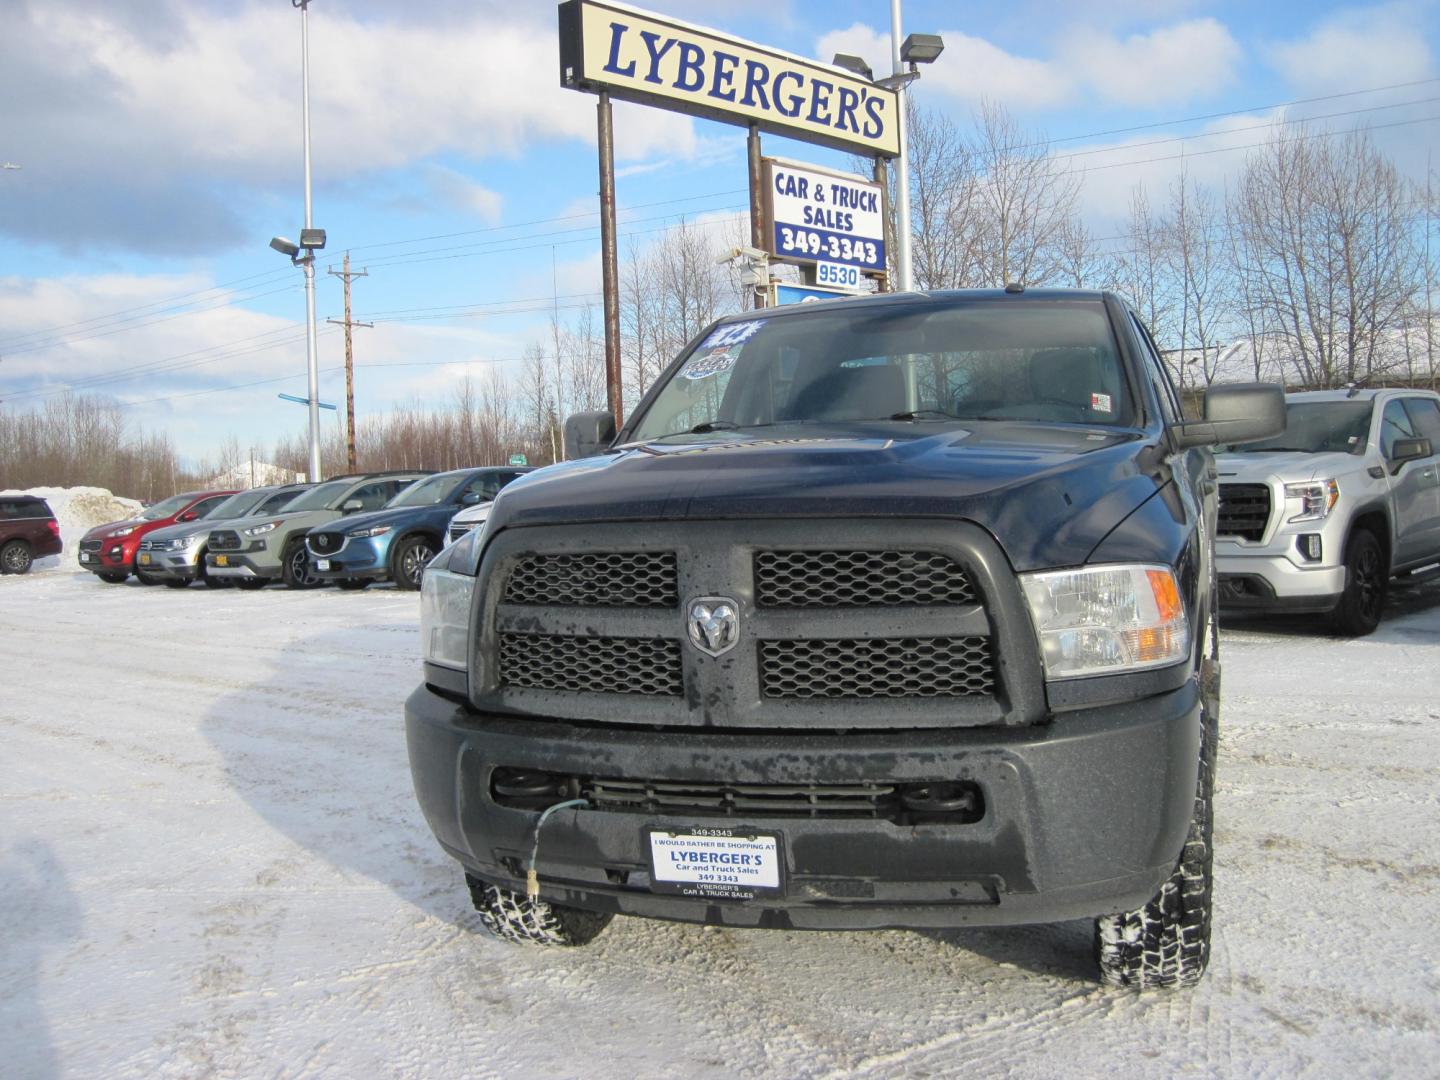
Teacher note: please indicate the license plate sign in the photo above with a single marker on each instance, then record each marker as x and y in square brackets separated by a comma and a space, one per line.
[222, 560]
[322, 564]
[723, 863]
[84, 557]
[145, 559]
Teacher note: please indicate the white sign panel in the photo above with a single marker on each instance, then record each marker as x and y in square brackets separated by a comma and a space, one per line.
[715, 862]
[814, 215]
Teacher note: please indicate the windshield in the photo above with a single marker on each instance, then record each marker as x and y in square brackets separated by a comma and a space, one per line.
[169, 508]
[237, 505]
[1317, 427]
[278, 501]
[320, 498]
[431, 491]
[1047, 361]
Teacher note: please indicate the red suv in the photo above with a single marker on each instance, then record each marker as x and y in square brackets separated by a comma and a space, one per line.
[28, 531]
[109, 550]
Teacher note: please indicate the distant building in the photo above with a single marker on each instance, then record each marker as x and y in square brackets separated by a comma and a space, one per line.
[252, 473]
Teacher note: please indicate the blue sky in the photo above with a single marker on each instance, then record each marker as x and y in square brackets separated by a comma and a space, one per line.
[159, 145]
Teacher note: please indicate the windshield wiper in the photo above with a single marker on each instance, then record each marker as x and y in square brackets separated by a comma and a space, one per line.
[713, 425]
[923, 414]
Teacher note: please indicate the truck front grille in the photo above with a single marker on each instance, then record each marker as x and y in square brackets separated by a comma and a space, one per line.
[597, 665]
[600, 579]
[89, 545]
[324, 543]
[224, 540]
[1244, 511]
[800, 579]
[839, 625]
[877, 667]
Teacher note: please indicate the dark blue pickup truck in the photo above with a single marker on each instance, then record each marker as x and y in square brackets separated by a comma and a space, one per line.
[885, 612]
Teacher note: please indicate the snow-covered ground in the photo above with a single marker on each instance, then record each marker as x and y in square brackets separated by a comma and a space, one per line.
[211, 863]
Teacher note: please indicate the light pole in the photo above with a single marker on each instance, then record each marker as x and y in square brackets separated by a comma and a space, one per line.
[916, 49]
[311, 357]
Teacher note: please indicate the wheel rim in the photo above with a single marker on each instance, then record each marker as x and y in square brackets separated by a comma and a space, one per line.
[1368, 586]
[415, 560]
[14, 559]
[300, 568]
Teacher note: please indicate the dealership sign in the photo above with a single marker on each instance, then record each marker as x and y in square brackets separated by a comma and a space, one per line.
[814, 215]
[638, 56]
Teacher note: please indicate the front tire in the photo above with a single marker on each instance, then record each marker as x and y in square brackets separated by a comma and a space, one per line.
[408, 562]
[297, 572]
[354, 584]
[249, 584]
[111, 578]
[16, 558]
[529, 920]
[1167, 942]
[146, 579]
[176, 583]
[1366, 580]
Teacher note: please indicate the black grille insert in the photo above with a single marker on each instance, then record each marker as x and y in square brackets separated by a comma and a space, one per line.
[877, 668]
[1244, 511]
[224, 540]
[899, 802]
[591, 665]
[598, 579]
[89, 545]
[323, 543]
[800, 579]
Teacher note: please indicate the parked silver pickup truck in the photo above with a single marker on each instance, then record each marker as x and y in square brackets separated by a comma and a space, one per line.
[1320, 518]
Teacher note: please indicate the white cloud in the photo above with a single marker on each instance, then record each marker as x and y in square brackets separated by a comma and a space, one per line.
[1356, 49]
[459, 192]
[1168, 66]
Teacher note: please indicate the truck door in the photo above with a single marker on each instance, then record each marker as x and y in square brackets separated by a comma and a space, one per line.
[1424, 414]
[1412, 489]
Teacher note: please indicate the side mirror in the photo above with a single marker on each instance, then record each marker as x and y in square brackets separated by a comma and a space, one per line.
[189, 515]
[588, 433]
[472, 498]
[349, 506]
[1236, 413]
[1408, 450]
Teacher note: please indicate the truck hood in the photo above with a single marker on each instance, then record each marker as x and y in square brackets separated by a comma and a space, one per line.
[1048, 494]
[1292, 466]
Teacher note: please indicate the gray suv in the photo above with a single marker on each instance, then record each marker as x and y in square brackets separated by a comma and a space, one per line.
[1320, 518]
[175, 556]
[273, 548]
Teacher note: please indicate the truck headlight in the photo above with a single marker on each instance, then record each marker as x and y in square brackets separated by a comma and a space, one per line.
[1315, 499]
[260, 530]
[445, 617]
[1103, 620]
[378, 530]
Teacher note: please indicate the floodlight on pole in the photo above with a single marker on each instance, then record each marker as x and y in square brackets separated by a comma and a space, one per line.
[854, 64]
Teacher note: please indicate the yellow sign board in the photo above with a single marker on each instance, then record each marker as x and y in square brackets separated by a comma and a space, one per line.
[642, 57]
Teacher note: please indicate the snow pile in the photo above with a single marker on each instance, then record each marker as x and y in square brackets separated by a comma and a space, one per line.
[78, 509]
[250, 474]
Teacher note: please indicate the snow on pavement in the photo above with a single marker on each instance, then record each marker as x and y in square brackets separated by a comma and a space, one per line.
[211, 863]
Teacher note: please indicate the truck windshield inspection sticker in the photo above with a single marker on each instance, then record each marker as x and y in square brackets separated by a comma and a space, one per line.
[715, 862]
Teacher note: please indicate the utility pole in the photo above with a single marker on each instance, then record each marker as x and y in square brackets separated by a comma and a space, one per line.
[349, 358]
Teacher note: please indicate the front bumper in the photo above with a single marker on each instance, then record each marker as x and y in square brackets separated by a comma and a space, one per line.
[237, 565]
[1267, 581]
[360, 557]
[182, 564]
[1083, 816]
[113, 557]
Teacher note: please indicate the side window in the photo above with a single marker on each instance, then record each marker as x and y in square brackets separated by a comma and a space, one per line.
[1395, 424]
[1425, 415]
[10, 510]
[374, 496]
[275, 502]
[1155, 372]
[204, 506]
[486, 485]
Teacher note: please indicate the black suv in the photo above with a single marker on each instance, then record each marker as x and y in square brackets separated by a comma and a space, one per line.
[886, 612]
[28, 531]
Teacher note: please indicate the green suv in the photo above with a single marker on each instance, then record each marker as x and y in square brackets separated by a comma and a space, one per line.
[273, 548]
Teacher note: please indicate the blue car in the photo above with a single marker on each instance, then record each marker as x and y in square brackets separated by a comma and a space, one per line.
[397, 541]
